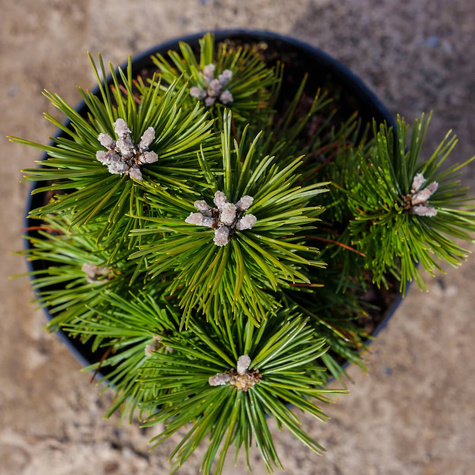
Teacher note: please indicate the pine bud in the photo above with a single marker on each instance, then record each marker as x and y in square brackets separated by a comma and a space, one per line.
[225, 77]
[209, 101]
[195, 218]
[427, 211]
[418, 181]
[243, 364]
[197, 93]
[89, 269]
[103, 157]
[120, 127]
[136, 174]
[125, 146]
[150, 157]
[219, 379]
[147, 138]
[214, 88]
[422, 196]
[226, 97]
[244, 203]
[208, 72]
[106, 141]
[116, 167]
[220, 199]
[433, 187]
[209, 222]
[246, 222]
[202, 207]
[228, 214]
[221, 236]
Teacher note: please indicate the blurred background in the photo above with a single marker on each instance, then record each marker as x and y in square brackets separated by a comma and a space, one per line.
[414, 413]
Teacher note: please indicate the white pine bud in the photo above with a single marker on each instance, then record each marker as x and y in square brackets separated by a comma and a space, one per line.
[208, 72]
[106, 141]
[195, 218]
[226, 97]
[433, 187]
[202, 207]
[209, 101]
[209, 222]
[423, 195]
[136, 174]
[214, 88]
[418, 181]
[117, 167]
[219, 379]
[197, 93]
[220, 199]
[125, 146]
[246, 222]
[228, 214]
[221, 236]
[427, 211]
[244, 203]
[120, 127]
[102, 271]
[147, 138]
[150, 157]
[106, 158]
[225, 77]
[243, 364]
[103, 157]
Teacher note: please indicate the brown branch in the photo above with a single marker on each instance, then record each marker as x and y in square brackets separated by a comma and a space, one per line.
[320, 150]
[42, 228]
[306, 285]
[331, 241]
[233, 126]
[124, 90]
[349, 336]
[327, 161]
[104, 357]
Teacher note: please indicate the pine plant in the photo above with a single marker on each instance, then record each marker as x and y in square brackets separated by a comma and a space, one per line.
[214, 241]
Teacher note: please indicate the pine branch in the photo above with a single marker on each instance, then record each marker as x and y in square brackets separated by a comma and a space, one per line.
[219, 279]
[222, 77]
[101, 160]
[407, 211]
[200, 383]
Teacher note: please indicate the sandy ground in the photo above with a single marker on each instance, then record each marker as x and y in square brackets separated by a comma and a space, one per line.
[414, 413]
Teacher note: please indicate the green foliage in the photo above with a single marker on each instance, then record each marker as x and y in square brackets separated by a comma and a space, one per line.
[62, 285]
[219, 247]
[92, 193]
[219, 281]
[281, 352]
[386, 227]
[131, 328]
[252, 84]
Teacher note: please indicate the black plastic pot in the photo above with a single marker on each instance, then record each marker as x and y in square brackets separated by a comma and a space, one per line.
[299, 58]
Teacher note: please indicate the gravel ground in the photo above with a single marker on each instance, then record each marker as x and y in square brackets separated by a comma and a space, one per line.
[414, 412]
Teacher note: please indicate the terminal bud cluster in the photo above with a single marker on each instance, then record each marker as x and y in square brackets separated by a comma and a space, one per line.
[240, 378]
[225, 219]
[215, 90]
[122, 155]
[417, 200]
